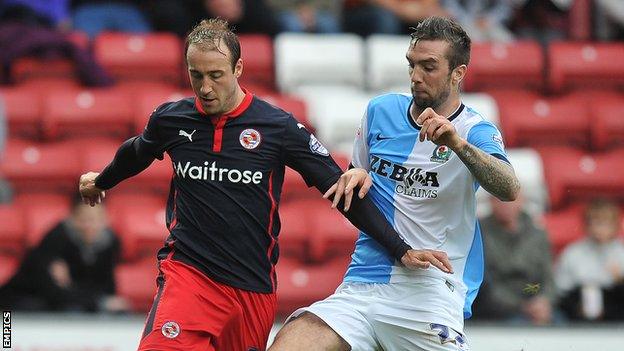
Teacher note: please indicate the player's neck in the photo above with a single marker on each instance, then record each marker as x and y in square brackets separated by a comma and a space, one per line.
[239, 96]
[446, 109]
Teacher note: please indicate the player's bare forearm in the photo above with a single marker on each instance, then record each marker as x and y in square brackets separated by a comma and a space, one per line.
[494, 175]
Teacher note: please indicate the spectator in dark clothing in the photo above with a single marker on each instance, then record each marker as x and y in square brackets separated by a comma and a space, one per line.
[365, 17]
[518, 285]
[95, 16]
[48, 13]
[590, 272]
[542, 20]
[246, 16]
[72, 269]
[178, 16]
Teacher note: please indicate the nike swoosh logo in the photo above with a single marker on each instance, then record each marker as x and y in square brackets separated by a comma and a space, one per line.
[379, 137]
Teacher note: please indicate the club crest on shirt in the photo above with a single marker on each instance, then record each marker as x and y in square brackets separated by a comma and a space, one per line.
[170, 330]
[317, 147]
[250, 138]
[441, 154]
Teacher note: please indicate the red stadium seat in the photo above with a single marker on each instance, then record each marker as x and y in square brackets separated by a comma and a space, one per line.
[572, 174]
[58, 68]
[8, 266]
[137, 283]
[150, 57]
[22, 107]
[257, 55]
[101, 112]
[528, 119]
[12, 230]
[564, 227]
[518, 65]
[607, 116]
[41, 167]
[333, 234]
[41, 217]
[299, 285]
[141, 227]
[578, 65]
[295, 232]
[295, 187]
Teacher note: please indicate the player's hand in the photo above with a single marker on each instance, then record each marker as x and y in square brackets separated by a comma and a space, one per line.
[423, 259]
[438, 129]
[355, 177]
[91, 195]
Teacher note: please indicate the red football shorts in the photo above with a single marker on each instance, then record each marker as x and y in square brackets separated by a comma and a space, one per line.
[193, 312]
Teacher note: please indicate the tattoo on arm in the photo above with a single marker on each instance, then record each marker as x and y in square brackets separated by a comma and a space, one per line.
[494, 175]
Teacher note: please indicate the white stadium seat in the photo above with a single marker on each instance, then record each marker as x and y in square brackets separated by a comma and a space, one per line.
[530, 171]
[484, 104]
[335, 113]
[308, 59]
[387, 66]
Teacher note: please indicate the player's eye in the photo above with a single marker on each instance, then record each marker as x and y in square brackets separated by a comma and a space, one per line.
[216, 75]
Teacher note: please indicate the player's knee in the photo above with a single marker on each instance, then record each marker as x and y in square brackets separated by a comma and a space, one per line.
[308, 333]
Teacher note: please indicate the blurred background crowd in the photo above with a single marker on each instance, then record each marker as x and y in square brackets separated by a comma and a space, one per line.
[78, 77]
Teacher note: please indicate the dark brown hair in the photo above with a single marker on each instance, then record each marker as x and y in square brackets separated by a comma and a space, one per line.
[209, 33]
[440, 28]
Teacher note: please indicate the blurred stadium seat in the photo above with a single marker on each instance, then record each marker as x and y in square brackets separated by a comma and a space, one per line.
[332, 235]
[97, 112]
[607, 116]
[40, 217]
[12, 230]
[517, 65]
[22, 107]
[484, 104]
[299, 284]
[386, 63]
[564, 227]
[585, 65]
[36, 69]
[528, 119]
[336, 115]
[573, 174]
[137, 283]
[307, 59]
[127, 57]
[257, 54]
[31, 166]
[295, 232]
[141, 228]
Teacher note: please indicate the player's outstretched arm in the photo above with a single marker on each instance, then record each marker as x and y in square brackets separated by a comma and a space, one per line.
[129, 160]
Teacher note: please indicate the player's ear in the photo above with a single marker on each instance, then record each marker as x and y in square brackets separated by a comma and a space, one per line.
[459, 73]
[238, 68]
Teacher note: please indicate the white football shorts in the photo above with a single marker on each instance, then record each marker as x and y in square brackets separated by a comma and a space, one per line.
[372, 316]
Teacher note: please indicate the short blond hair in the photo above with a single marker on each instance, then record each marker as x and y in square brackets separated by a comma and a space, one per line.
[209, 33]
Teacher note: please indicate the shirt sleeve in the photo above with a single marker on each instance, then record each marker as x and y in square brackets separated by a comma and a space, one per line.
[360, 157]
[304, 153]
[151, 140]
[488, 138]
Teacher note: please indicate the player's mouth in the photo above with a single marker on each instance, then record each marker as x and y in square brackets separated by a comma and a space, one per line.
[208, 101]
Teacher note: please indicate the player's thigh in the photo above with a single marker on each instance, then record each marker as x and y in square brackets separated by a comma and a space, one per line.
[189, 340]
[420, 337]
[308, 333]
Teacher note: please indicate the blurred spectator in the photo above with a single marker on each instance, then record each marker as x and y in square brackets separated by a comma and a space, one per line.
[541, 20]
[365, 17]
[483, 20]
[590, 272]
[312, 16]
[48, 13]
[246, 16]
[178, 17]
[5, 188]
[518, 284]
[95, 16]
[22, 36]
[609, 19]
[72, 269]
